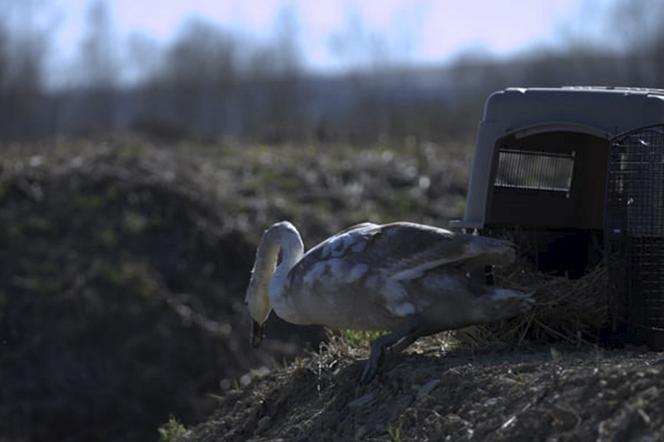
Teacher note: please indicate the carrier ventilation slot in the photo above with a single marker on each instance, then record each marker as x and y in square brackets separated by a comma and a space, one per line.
[534, 170]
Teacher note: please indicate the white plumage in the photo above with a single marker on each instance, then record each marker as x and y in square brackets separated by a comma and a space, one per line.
[407, 278]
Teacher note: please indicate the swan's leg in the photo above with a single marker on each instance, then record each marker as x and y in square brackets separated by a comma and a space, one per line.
[378, 350]
[376, 355]
[405, 342]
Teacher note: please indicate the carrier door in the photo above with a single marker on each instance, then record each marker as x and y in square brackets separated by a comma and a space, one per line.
[551, 180]
[634, 232]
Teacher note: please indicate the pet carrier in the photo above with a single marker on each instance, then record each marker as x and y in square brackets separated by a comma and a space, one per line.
[564, 173]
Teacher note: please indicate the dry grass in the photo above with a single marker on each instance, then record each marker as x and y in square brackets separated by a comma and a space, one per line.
[572, 311]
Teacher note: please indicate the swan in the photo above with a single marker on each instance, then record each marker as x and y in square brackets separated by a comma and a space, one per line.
[410, 279]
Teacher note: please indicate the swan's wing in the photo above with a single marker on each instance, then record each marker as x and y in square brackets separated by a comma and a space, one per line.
[407, 250]
[346, 242]
[370, 265]
[337, 261]
[403, 250]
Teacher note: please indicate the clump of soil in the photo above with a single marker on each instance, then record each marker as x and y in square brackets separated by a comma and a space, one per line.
[436, 394]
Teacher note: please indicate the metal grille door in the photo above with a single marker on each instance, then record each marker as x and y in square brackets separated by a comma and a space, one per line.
[635, 233]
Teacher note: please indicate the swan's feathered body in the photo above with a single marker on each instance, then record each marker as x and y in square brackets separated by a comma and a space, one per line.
[373, 276]
[404, 277]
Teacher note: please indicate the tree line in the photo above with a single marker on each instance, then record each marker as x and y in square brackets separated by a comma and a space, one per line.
[210, 84]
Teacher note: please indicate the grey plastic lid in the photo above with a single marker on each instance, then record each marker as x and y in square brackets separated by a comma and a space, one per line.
[600, 111]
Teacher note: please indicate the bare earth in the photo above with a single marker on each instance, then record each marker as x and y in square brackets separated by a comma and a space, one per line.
[553, 394]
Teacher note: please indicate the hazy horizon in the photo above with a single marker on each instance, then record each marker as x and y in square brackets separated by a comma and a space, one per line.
[329, 36]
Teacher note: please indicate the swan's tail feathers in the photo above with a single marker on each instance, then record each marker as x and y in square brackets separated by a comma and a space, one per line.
[506, 303]
[483, 250]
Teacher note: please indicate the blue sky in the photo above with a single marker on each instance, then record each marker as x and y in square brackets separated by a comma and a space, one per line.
[328, 32]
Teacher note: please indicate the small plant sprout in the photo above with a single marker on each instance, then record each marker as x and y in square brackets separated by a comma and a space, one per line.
[171, 430]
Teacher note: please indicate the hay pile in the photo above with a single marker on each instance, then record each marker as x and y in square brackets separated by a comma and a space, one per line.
[572, 311]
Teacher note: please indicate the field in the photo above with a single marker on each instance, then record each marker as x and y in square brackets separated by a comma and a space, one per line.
[124, 264]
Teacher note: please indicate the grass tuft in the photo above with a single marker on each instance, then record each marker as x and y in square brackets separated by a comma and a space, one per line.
[171, 430]
[361, 338]
[395, 432]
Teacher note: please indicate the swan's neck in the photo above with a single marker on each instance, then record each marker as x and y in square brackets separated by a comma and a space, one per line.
[267, 284]
[292, 250]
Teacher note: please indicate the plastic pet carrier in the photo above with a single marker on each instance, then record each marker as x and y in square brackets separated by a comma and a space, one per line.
[563, 173]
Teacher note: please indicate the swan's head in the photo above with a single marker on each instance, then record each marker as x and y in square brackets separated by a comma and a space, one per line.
[259, 309]
[280, 236]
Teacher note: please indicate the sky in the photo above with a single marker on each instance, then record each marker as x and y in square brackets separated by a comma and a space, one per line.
[334, 35]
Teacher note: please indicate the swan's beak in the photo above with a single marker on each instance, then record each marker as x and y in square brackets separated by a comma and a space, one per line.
[257, 333]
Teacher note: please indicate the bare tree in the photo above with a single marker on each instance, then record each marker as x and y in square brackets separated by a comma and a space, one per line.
[199, 73]
[274, 108]
[638, 23]
[98, 63]
[23, 48]
[98, 71]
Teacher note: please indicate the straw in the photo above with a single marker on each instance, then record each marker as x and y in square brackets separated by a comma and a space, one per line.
[566, 310]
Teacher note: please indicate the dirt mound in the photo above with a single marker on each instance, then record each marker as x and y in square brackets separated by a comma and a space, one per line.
[120, 295]
[432, 394]
[124, 266]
